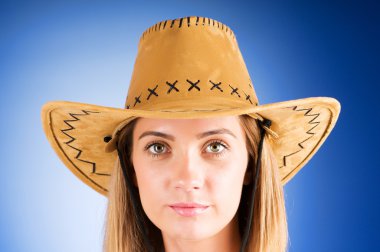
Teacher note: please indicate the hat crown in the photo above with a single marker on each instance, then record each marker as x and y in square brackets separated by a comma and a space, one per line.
[192, 59]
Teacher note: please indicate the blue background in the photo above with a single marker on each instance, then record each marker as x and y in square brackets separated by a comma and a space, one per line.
[84, 51]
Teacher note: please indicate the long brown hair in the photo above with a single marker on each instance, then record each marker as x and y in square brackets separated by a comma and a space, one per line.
[269, 231]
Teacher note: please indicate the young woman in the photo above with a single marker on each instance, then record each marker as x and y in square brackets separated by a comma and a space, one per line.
[193, 162]
[194, 178]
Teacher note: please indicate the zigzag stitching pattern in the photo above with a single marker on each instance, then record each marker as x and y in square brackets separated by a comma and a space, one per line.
[71, 127]
[307, 113]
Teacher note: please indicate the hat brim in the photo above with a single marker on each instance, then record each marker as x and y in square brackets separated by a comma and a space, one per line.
[77, 132]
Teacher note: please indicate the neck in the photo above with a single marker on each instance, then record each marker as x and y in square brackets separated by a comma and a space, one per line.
[227, 240]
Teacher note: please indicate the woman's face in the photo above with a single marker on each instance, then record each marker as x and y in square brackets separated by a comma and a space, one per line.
[190, 173]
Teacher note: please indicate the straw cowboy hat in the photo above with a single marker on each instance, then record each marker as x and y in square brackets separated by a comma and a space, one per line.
[188, 67]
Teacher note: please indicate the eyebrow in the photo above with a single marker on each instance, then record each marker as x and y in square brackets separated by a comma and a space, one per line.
[199, 136]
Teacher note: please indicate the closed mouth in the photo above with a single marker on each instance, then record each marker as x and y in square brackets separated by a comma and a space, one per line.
[189, 209]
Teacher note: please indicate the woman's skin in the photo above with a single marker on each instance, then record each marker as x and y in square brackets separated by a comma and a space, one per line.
[190, 174]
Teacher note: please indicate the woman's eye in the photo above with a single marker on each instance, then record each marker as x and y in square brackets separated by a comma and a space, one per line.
[216, 147]
[156, 149]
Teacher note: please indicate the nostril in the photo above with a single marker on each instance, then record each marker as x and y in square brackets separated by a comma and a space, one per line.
[188, 186]
[194, 185]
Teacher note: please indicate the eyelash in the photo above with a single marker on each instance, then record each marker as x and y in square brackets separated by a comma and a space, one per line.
[152, 144]
[217, 141]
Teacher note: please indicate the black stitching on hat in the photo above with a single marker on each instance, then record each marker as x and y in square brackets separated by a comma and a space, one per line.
[193, 85]
[137, 100]
[152, 91]
[205, 20]
[216, 85]
[248, 97]
[234, 90]
[172, 86]
[315, 116]
[286, 156]
[311, 121]
[77, 157]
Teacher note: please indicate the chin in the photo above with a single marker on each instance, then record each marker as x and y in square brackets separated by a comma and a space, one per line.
[192, 231]
[192, 235]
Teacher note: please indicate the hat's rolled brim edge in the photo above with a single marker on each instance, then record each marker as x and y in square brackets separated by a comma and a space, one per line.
[329, 103]
[123, 114]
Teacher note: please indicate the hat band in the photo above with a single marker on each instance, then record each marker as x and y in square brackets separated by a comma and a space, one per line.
[186, 104]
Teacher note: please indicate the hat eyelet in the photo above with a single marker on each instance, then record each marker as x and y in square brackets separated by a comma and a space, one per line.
[107, 139]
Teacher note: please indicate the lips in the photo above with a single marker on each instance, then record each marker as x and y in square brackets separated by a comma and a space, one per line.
[189, 209]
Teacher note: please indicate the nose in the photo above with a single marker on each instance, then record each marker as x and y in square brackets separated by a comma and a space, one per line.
[188, 173]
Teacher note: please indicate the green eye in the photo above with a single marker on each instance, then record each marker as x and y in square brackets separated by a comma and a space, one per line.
[215, 147]
[157, 148]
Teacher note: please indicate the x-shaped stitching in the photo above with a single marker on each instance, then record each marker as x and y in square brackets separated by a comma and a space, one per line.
[216, 85]
[193, 85]
[137, 100]
[152, 91]
[172, 86]
[234, 90]
[248, 97]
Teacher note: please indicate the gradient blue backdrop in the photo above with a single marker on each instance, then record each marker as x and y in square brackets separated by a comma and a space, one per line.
[84, 51]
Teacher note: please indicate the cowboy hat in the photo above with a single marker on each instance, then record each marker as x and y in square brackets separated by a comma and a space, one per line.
[188, 67]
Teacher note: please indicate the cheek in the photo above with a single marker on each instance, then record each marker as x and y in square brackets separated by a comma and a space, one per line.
[149, 181]
[228, 188]
[144, 175]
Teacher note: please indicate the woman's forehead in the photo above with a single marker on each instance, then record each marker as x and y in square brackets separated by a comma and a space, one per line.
[227, 124]
[199, 122]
